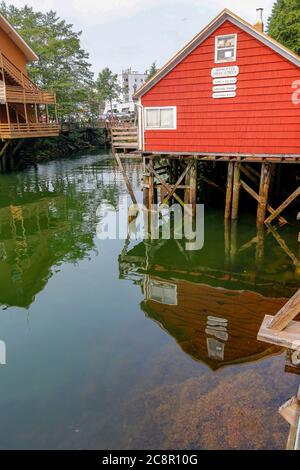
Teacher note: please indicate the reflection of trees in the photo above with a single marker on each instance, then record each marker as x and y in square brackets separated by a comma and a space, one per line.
[47, 219]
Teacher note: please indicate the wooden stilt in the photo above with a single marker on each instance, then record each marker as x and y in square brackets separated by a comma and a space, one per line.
[151, 185]
[236, 191]
[229, 190]
[191, 190]
[227, 243]
[265, 180]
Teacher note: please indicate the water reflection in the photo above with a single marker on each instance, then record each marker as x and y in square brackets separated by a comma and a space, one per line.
[97, 365]
[214, 301]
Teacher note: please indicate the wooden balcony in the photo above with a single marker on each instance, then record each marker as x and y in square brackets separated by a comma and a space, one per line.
[23, 131]
[15, 94]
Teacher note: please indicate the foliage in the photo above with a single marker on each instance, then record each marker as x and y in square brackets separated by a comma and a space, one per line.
[152, 70]
[63, 65]
[284, 23]
[107, 86]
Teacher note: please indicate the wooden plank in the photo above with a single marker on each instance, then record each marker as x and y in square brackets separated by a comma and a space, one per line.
[256, 197]
[229, 188]
[236, 191]
[283, 206]
[126, 179]
[288, 313]
[290, 411]
[289, 338]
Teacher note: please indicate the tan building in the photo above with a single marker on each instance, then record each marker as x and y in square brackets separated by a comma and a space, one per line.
[25, 110]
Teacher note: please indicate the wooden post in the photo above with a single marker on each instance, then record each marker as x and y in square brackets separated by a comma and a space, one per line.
[236, 191]
[227, 243]
[265, 180]
[229, 190]
[193, 188]
[151, 185]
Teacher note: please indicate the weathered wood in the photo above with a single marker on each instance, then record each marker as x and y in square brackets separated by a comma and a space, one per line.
[289, 338]
[229, 189]
[126, 179]
[288, 313]
[284, 246]
[245, 170]
[290, 411]
[263, 193]
[256, 197]
[193, 188]
[170, 189]
[236, 191]
[283, 206]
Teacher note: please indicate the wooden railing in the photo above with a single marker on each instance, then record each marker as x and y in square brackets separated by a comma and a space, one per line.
[16, 94]
[17, 74]
[124, 137]
[17, 130]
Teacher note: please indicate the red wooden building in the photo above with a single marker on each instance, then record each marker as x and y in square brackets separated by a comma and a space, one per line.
[231, 94]
[228, 91]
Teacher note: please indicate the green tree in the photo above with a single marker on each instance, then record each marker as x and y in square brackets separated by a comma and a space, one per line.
[63, 65]
[108, 88]
[152, 70]
[284, 23]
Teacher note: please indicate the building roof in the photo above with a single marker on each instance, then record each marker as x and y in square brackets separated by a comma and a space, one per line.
[17, 39]
[225, 15]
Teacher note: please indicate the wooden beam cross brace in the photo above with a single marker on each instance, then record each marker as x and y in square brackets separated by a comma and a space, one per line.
[256, 197]
[283, 206]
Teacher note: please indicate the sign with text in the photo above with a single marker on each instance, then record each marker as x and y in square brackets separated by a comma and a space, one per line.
[225, 81]
[222, 88]
[221, 72]
[226, 94]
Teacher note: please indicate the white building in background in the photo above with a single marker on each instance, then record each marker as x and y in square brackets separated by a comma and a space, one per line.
[130, 81]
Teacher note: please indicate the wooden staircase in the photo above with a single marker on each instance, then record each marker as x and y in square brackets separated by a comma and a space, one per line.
[124, 139]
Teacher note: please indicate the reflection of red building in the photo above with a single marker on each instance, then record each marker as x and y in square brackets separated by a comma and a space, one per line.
[213, 325]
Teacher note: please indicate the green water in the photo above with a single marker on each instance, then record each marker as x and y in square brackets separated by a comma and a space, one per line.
[111, 344]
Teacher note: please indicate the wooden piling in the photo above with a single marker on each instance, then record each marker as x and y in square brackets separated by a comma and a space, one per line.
[236, 191]
[191, 189]
[265, 179]
[151, 192]
[229, 190]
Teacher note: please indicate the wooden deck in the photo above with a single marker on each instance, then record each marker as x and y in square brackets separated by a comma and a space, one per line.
[23, 131]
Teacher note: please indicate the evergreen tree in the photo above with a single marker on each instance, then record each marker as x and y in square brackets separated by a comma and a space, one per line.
[63, 65]
[108, 88]
[152, 70]
[284, 23]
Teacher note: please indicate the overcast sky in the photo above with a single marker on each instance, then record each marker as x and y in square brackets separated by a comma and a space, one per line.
[135, 33]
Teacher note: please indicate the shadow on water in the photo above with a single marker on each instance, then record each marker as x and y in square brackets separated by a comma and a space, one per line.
[132, 385]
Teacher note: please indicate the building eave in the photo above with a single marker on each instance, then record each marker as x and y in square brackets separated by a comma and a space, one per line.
[225, 15]
[17, 39]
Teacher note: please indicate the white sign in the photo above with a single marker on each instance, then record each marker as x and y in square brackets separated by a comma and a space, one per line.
[226, 94]
[224, 81]
[225, 72]
[222, 88]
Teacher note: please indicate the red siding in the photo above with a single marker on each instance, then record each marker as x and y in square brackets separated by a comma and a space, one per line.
[260, 119]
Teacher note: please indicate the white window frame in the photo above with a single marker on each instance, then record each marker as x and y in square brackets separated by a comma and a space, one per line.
[216, 48]
[174, 108]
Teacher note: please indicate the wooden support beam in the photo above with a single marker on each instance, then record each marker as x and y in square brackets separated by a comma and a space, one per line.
[236, 191]
[193, 188]
[256, 197]
[263, 193]
[288, 313]
[284, 246]
[171, 190]
[126, 179]
[245, 170]
[283, 206]
[289, 338]
[229, 189]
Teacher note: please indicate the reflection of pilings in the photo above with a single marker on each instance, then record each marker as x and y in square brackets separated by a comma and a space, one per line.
[227, 227]
[233, 241]
[260, 247]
